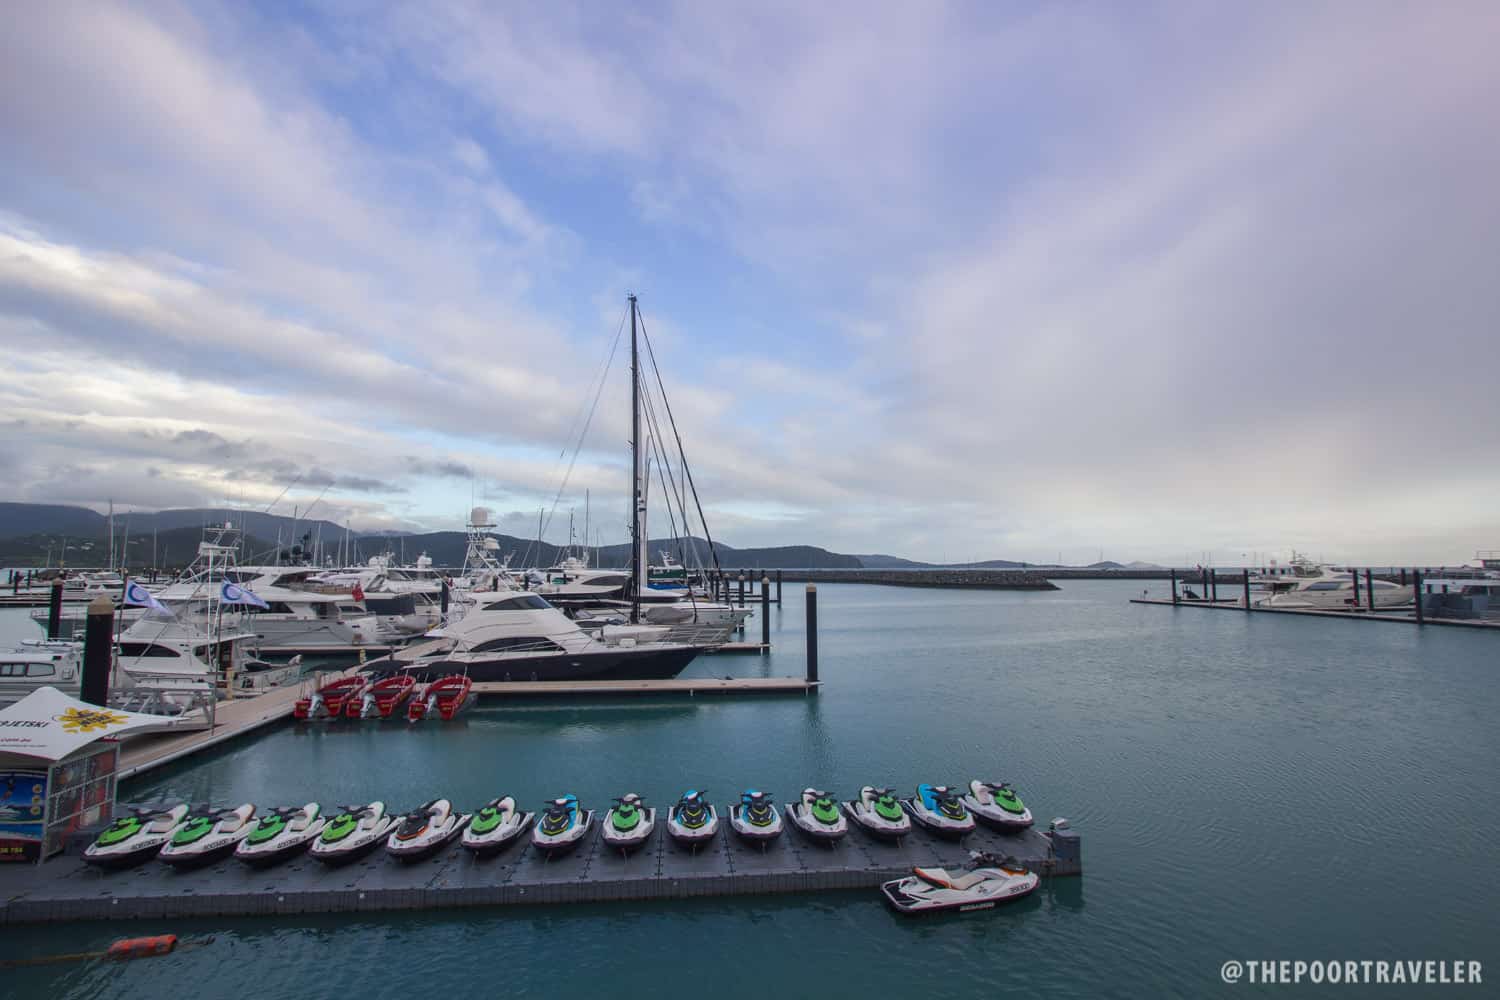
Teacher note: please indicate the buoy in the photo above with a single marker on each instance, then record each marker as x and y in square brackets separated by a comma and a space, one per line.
[142, 947]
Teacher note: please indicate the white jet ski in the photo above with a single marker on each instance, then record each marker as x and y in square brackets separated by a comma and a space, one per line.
[755, 818]
[131, 839]
[941, 810]
[692, 822]
[496, 825]
[995, 803]
[424, 830]
[351, 833]
[205, 837]
[281, 834]
[985, 881]
[817, 815]
[629, 824]
[562, 826]
[878, 812]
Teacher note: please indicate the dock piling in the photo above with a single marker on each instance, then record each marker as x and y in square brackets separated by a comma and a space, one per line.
[1246, 578]
[812, 633]
[1174, 586]
[98, 638]
[765, 615]
[1416, 593]
[778, 588]
[1369, 590]
[54, 609]
[742, 590]
[1355, 574]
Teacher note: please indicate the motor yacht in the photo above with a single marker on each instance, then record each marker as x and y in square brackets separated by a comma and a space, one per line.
[1333, 590]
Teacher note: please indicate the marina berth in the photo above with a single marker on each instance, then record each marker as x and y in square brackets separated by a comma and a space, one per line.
[521, 637]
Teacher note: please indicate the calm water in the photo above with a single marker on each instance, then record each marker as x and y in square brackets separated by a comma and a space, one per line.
[1246, 786]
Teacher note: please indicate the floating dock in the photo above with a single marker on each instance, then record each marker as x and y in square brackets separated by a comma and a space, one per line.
[690, 686]
[1238, 604]
[67, 889]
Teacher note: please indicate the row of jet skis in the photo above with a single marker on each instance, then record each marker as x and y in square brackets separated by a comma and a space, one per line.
[184, 839]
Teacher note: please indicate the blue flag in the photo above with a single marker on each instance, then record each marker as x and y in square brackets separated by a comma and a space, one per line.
[233, 593]
[142, 598]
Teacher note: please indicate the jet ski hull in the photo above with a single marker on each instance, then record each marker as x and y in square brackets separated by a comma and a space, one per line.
[626, 841]
[364, 838]
[561, 843]
[498, 839]
[693, 837]
[875, 824]
[278, 852]
[912, 895]
[219, 842]
[996, 817]
[748, 831]
[139, 848]
[823, 833]
[428, 843]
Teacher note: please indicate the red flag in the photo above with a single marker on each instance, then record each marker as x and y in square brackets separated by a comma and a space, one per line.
[359, 592]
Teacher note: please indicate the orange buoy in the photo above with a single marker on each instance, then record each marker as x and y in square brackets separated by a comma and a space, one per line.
[142, 947]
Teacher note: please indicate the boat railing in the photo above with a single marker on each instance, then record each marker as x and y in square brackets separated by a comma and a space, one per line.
[699, 634]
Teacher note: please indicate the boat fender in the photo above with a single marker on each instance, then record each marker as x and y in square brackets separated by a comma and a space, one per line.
[142, 947]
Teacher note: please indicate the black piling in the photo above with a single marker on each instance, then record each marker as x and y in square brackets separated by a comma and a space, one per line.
[1174, 586]
[1355, 574]
[98, 638]
[1369, 590]
[1212, 590]
[765, 614]
[742, 590]
[444, 599]
[778, 588]
[1416, 591]
[1247, 589]
[812, 633]
[54, 609]
[1403, 577]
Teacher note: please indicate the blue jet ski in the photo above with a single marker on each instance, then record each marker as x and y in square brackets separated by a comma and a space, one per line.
[562, 826]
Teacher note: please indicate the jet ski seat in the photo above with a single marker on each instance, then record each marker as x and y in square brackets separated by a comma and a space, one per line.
[941, 879]
[233, 821]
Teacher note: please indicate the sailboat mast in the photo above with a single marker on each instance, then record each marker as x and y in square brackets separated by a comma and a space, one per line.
[638, 505]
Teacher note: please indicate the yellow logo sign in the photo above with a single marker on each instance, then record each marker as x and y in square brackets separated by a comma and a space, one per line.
[85, 720]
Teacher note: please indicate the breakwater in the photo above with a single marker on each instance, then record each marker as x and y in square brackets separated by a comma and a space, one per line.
[974, 579]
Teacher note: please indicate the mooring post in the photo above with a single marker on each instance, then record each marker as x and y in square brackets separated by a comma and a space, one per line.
[1369, 590]
[54, 609]
[742, 590]
[1247, 589]
[444, 608]
[98, 638]
[1355, 573]
[812, 633]
[1403, 576]
[1416, 592]
[1174, 585]
[765, 614]
[1212, 590]
[778, 588]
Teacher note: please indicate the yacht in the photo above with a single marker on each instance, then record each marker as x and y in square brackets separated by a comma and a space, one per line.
[38, 663]
[1332, 590]
[521, 637]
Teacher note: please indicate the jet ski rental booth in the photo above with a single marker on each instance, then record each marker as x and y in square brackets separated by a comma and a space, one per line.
[58, 759]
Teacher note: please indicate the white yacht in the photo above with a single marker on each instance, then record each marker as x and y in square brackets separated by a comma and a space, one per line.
[1332, 590]
[520, 637]
[38, 663]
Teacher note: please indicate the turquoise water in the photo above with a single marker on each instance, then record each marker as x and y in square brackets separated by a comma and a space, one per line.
[1245, 786]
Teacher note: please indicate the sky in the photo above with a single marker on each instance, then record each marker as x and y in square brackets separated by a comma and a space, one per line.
[1158, 281]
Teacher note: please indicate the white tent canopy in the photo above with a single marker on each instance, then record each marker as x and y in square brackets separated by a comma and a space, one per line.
[49, 725]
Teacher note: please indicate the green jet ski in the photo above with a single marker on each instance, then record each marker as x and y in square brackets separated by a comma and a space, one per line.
[496, 825]
[818, 816]
[352, 832]
[280, 834]
[629, 824]
[207, 836]
[878, 812]
[995, 803]
[134, 838]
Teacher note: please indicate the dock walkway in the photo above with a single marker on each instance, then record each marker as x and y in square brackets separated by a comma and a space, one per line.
[66, 889]
[1238, 604]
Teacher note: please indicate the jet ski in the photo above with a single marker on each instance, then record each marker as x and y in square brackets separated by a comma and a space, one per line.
[629, 824]
[941, 810]
[205, 837]
[755, 818]
[692, 821]
[424, 830]
[985, 881]
[496, 825]
[995, 804]
[280, 834]
[129, 840]
[878, 812]
[352, 833]
[562, 826]
[817, 815]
